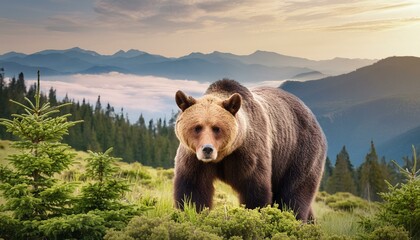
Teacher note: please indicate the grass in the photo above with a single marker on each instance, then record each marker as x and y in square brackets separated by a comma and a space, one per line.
[333, 222]
[153, 187]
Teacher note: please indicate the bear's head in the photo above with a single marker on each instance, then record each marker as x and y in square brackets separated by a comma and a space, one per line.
[208, 125]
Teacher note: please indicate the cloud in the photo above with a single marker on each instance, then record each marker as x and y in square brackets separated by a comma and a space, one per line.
[66, 23]
[376, 25]
[148, 95]
[177, 15]
[318, 13]
[338, 7]
[152, 96]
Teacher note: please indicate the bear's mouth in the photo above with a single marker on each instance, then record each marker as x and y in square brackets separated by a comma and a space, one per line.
[206, 159]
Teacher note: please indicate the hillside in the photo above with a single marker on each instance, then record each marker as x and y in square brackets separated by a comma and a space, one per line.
[401, 144]
[255, 67]
[378, 102]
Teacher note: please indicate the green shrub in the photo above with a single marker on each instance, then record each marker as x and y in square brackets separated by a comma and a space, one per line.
[159, 228]
[167, 173]
[106, 191]
[342, 201]
[9, 227]
[388, 233]
[277, 221]
[220, 223]
[237, 221]
[400, 209]
[78, 226]
[135, 173]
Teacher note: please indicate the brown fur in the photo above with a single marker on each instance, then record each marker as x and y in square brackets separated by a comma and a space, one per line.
[267, 145]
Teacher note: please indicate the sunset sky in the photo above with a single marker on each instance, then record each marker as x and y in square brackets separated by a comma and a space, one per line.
[318, 29]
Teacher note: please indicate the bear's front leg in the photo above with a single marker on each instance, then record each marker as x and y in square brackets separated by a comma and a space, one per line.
[193, 183]
[197, 191]
[255, 193]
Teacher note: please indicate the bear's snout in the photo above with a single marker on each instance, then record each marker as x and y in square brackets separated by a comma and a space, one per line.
[208, 149]
[207, 153]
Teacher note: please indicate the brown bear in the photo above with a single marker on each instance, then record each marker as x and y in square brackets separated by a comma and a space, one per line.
[265, 143]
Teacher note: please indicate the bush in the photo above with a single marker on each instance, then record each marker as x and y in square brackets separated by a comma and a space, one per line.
[9, 227]
[220, 223]
[136, 172]
[79, 226]
[229, 222]
[343, 201]
[167, 173]
[159, 228]
[400, 209]
[388, 233]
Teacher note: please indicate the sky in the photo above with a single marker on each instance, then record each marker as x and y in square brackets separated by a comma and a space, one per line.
[315, 29]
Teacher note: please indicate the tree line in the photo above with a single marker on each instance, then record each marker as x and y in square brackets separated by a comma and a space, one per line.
[153, 143]
[367, 180]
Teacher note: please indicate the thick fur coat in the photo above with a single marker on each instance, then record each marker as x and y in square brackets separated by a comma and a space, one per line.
[265, 143]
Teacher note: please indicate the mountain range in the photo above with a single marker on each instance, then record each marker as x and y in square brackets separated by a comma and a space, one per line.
[256, 67]
[379, 102]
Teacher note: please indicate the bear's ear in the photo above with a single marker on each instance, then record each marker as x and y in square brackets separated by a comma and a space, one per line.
[183, 101]
[233, 103]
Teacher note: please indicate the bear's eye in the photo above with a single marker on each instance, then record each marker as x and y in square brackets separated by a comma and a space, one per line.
[216, 129]
[198, 129]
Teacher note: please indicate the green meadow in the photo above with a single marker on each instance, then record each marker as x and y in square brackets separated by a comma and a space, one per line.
[338, 216]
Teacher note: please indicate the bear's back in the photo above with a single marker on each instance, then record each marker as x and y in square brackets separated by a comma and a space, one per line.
[295, 131]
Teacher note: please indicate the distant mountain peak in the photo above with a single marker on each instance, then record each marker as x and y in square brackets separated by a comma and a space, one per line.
[78, 49]
[262, 52]
[128, 54]
[12, 54]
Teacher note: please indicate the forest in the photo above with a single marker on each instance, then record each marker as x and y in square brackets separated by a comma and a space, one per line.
[151, 143]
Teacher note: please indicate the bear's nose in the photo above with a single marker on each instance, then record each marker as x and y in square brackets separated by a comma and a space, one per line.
[208, 149]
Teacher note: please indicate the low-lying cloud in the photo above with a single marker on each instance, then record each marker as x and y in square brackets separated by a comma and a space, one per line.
[154, 97]
[151, 96]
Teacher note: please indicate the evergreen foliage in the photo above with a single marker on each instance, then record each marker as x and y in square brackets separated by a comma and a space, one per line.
[372, 176]
[342, 178]
[400, 211]
[153, 144]
[28, 187]
[39, 206]
[106, 190]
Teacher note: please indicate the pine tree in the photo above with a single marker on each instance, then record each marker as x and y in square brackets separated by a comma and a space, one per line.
[37, 205]
[29, 188]
[52, 97]
[372, 177]
[342, 179]
[3, 100]
[104, 193]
